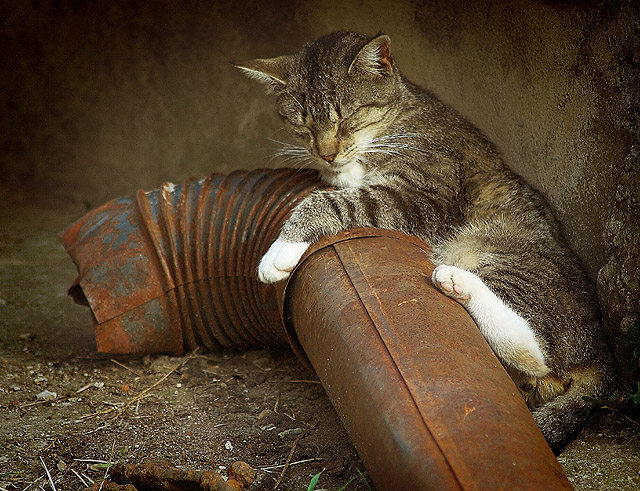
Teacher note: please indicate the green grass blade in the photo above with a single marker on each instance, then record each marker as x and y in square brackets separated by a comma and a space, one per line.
[364, 480]
[314, 481]
[344, 486]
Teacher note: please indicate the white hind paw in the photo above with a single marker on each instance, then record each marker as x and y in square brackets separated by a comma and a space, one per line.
[455, 282]
[509, 335]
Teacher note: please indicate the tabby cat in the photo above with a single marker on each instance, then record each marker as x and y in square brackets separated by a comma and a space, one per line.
[398, 158]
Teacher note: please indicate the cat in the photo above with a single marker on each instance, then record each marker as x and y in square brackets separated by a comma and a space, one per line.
[398, 158]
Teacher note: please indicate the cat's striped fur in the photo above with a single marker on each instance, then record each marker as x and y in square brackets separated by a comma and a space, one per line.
[400, 159]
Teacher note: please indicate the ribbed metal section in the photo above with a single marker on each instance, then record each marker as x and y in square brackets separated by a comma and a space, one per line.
[201, 243]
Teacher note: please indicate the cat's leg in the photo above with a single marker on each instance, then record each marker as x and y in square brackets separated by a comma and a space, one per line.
[543, 296]
[393, 206]
[560, 418]
[509, 335]
[280, 260]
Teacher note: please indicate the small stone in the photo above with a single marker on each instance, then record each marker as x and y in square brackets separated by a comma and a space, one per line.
[46, 395]
[242, 473]
[265, 413]
[291, 432]
[228, 445]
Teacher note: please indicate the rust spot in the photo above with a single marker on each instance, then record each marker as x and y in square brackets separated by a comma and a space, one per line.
[412, 300]
[468, 410]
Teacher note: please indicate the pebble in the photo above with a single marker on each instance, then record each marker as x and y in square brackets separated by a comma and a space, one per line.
[46, 395]
[291, 432]
[265, 413]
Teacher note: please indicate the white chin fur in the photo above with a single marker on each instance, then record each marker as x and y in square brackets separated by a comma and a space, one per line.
[351, 175]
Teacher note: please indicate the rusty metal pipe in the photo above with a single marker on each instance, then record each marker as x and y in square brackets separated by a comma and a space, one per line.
[422, 396]
[424, 399]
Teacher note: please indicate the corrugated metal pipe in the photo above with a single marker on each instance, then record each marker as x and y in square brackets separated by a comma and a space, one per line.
[422, 396]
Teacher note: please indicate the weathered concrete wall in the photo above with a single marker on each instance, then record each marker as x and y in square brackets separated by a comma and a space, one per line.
[98, 101]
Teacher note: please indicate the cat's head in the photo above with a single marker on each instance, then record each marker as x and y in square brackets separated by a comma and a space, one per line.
[336, 97]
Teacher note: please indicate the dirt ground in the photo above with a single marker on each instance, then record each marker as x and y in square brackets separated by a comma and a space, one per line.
[202, 411]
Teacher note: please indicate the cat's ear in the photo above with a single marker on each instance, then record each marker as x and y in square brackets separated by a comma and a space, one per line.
[273, 72]
[374, 57]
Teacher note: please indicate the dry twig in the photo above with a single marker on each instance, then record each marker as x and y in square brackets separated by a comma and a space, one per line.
[86, 484]
[286, 464]
[53, 486]
[106, 471]
[34, 482]
[142, 394]
[268, 468]
[126, 367]
[187, 358]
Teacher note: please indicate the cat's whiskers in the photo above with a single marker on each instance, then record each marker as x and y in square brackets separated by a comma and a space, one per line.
[396, 136]
[276, 160]
[350, 153]
[358, 153]
[392, 145]
[288, 147]
[295, 154]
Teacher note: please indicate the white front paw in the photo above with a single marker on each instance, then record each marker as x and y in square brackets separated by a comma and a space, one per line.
[455, 282]
[280, 260]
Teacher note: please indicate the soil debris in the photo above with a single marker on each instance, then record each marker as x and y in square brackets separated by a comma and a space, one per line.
[154, 476]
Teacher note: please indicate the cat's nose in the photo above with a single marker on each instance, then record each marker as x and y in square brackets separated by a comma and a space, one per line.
[327, 146]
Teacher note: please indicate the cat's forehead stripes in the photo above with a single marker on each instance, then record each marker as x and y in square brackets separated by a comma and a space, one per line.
[322, 106]
[325, 61]
[335, 50]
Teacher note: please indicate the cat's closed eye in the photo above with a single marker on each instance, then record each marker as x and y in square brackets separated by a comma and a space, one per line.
[363, 117]
[301, 131]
